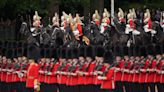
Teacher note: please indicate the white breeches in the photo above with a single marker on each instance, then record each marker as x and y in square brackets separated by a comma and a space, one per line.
[149, 30]
[102, 29]
[129, 29]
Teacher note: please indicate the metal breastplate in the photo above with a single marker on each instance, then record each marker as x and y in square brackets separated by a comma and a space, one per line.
[34, 31]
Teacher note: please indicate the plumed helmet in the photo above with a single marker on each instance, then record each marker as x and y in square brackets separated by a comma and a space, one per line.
[36, 16]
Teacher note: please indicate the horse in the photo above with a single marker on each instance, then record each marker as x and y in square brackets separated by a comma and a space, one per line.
[42, 36]
[24, 29]
[92, 32]
[56, 35]
[159, 36]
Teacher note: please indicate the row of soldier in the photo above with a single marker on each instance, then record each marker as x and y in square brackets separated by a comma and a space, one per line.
[73, 26]
[91, 68]
[76, 21]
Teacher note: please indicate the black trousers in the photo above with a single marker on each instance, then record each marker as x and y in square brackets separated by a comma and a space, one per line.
[160, 87]
[29, 90]
[119, 86]
[136, 87]
[3, 87]
[62, 88]
[127, 86]
[54, 87]
[106, 90]
[42, 87]
[143, 87]
[97, 88]
[152, 87]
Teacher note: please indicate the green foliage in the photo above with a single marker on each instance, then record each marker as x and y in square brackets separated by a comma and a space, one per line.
[2, 3]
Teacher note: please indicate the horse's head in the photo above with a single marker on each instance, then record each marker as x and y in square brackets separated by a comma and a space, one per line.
[24, 29]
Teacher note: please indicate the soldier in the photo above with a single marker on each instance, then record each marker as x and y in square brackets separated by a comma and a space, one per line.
[19, 69]
[158, 78]
[135, 80]
[41, 65]
[53, 77]
[108, 83]
[118, 68]
[55, 20]
[98, 68]
[63, 21]
[79, 24]
[126, 67]
[47, 70]
[89, 71]
[36, 29]
[148, 23]
[105, 21]
[131, 27]
[96, 18]
[9, 70]
[23, 72]
[61, 77]
[76, 26]
[131, 69]
[121, 16]
[32, 82]
[3, 71]
[72, 71]
[143, 78]
[81, 70]
[151, 71]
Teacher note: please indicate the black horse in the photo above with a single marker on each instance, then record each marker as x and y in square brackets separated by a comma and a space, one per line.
[159, 36]
[42, 36]
[92, 32]
[25, 30]
[56, 35]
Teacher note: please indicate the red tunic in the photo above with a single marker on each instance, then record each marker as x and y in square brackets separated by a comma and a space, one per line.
[97, 22]
[41, 76]
[95, 78]
[9, 74]
[32, 74]
[15, 77]
[79, 27]
[130, 77]
[53, 77]
[109, 82]
[149, 24]
[143, 75]
[107, 21]
[62, 79]
[119, 73]
[158, 76]
[49, 75]
[81, 79]
[136, 75]
[89, 76]
[152, 75]
[73, 79]
[3, 73]
[126, 74]
[122, 20]
[23, 79]
[131, 23]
